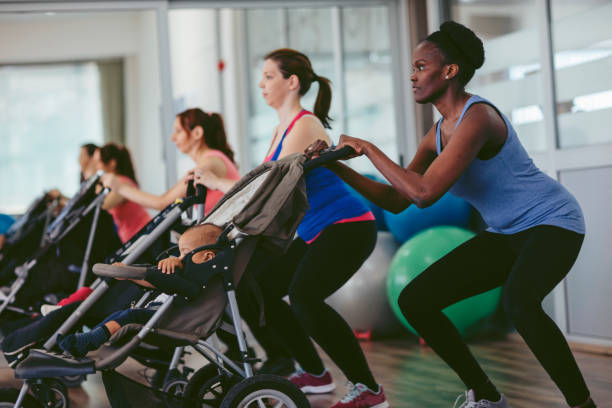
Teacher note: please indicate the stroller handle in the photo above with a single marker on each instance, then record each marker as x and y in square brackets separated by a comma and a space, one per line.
[328, 156]
[198, 191]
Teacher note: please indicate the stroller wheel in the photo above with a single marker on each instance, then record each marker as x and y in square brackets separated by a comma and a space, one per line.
[265, 390]
[207, 388]
[52, 393]
[175, 386]
[73, 381]
[8, 397]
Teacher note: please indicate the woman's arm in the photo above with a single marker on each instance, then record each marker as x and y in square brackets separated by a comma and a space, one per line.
[132, 193]
[211, 174]
[112, 200]
[211, 181]
[384, 195]
[144, 283]
[443, 171]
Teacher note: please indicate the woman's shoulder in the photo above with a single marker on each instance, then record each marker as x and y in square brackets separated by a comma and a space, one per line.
[213, 153]
[485, 114]
[218, 162]
[310, 119]
[308, 130]
[482, 109]
[127, 180]
[309, 124]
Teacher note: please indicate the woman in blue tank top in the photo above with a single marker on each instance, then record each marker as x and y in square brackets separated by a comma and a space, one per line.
[536, 227]
[336, 235]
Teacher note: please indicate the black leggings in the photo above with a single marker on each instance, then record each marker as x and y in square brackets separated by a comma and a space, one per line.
[309, 274]
[528, 264]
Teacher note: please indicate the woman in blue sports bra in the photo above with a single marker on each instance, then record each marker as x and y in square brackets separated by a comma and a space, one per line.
[336, 236]
[536, 227]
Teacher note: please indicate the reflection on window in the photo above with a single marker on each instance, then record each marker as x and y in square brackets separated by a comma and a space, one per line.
[46, 113]
[526, 114]
[265, 31]
[368, 78]
[583, 58]
[510, 80]
[593, 102]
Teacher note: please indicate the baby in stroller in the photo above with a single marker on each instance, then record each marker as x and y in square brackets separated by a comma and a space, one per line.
[190, 247]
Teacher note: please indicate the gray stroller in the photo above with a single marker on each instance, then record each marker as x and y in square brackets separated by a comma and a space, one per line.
[262, 210]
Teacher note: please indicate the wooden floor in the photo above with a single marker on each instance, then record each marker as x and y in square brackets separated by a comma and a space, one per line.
[413, 376]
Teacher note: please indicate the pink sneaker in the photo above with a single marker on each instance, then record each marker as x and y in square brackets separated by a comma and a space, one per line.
[360, 396]
[313, 384]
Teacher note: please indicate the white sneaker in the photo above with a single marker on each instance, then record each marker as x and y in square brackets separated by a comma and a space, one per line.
[470, 402]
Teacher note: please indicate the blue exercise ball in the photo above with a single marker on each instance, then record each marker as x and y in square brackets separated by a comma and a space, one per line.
[376, 210]
[448, 210]
[5, 222]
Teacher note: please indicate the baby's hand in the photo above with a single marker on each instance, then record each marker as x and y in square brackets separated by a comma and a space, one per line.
[167, 265]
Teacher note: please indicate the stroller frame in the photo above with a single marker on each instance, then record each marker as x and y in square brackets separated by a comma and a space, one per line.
[222, 362]
[129, 252]
[55, 232]
[44, 364]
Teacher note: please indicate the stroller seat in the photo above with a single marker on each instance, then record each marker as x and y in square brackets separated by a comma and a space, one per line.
[185, 324]
[41, 363]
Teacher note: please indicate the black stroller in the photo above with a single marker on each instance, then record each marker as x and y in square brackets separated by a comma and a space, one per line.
[262, 210]
[85, 204]
[21, 227]
[25, 235]
[108, 296]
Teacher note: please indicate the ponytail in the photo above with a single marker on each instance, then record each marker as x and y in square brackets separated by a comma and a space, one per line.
[323, 101]
[219, 140]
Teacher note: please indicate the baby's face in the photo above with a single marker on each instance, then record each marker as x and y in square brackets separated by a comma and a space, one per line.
[187, 243]
[190, 241]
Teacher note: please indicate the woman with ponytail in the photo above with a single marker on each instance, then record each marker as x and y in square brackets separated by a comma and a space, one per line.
[116, 162]
[336, 236]
[201, 136]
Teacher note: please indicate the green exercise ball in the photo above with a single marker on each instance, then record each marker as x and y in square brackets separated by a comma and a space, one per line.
[416, 255]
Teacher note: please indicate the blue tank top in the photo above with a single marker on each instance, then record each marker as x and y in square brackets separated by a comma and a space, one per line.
[510, 192]
[329, 198]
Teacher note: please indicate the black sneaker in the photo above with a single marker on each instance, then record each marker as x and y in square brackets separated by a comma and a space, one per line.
[281, 366]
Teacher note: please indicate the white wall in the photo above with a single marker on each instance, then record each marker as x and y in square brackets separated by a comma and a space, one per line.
[89, 36]
[193, 61]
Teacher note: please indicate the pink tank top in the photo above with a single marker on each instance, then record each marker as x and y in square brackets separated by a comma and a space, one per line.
[128, 216]
[212, 196]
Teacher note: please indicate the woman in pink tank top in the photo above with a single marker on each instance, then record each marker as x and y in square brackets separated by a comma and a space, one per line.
[201, 136]
[129, 217]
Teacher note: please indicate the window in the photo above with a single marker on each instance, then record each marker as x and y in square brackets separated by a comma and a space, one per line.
[583, 59]
[46, 113]
[368, 77]
[511, 80]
